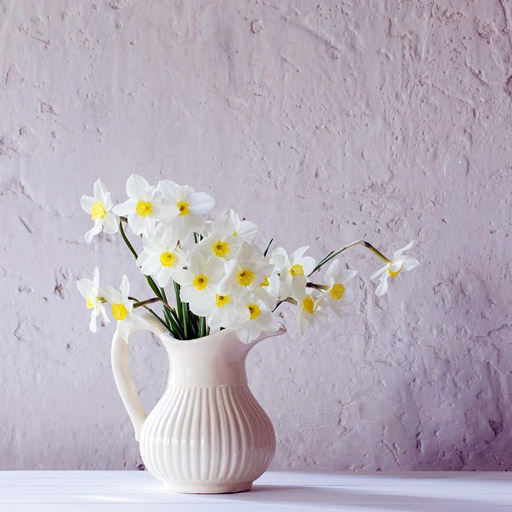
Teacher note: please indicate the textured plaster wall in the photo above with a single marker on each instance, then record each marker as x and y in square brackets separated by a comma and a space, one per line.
[322, 121]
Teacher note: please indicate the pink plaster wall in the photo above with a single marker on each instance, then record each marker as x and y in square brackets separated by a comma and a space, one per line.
[324, 122]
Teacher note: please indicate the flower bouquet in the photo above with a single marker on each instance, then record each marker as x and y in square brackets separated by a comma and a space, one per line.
[219, 276]
[214, 294]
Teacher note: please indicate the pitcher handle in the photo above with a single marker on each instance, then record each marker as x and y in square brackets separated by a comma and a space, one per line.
[120, 358]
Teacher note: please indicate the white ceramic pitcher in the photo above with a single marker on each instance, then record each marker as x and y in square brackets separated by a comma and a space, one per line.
[207, 434]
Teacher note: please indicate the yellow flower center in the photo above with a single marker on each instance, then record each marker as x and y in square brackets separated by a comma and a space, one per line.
[183, 207]
[235, 233]
[394, 274]
[265, 282]
[98, 211]
[308, 305]
[245, 277]
[144, 208]
[119, 311]
[89, 302]
[221, 300]
[254, 311]
[200, 282]
[220, 248]
[337, 291]
[167, 259]
[297, 270]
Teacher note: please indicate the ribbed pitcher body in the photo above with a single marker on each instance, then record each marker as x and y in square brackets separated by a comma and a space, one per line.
[207, 434]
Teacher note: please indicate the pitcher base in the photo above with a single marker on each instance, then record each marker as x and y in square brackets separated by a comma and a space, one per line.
[209, 488]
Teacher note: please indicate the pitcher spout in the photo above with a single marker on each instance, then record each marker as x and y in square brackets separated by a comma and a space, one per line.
[220, 355]
[267, 334]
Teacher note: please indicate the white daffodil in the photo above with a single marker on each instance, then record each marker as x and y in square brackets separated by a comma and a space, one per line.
[338, 294]
[122, 307]
[398, 263]
[268, 290]
[291, 268]
[229, 223]
[246, 272]
[309, 312]
[256, 318]
[219, 245]
[161, 258]
[225, 313]
[224, 235]
[99, 207]
[199, 283]
[184, 206]
[143, 208]
[90, 290]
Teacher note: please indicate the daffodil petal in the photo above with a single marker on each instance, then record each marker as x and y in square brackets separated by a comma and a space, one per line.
[303, 324]
[247, 230]
[124, 328]
[95, 230]
[100, 191]
[125, 208]
[136, 186]
[125, 286]
[308, 263]
[379, 272]
[248, 333]
[201, 203]
[112, 295]
[298, 253]
[86, 203]
[347, 274]
[410, 264]
[84, 286]
[383, 286]
[335, 306]
[348, 297]
[110, 223]
[137, 224]
[396, 266]
[332, 270]
[96, 278]
[104, 315]
[92, 324]
[403, 249]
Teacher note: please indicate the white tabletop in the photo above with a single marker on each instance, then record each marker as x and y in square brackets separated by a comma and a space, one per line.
[109, 491]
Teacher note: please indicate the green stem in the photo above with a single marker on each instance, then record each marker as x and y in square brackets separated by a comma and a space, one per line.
[178, 301]
[332, 255]
[186, 320]
[202, 327]
[126, 241]
[172, 318]
[178, 333]
[317, 286]
[154, 287]
[289, 299]
[172, 326]
[167, 314]
[149, 279]
[138, 304]
[321, 262]
[183, 314]
[178, 321]
[268, 247]
[161, 320]
[174, 315]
